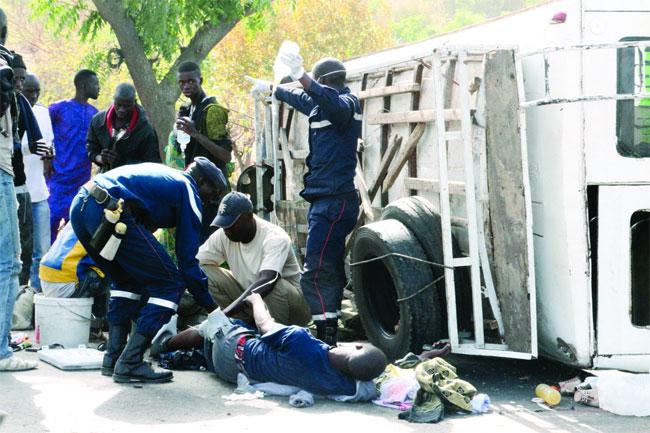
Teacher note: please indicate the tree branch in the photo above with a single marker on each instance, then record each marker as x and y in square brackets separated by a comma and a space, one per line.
[132, 47]
[200, 45]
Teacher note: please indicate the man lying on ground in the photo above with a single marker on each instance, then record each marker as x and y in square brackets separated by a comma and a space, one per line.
[287, 355]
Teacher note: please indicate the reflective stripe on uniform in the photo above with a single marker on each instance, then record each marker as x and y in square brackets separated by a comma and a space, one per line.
[163, 303]
[125, 294]
[193, 204]
[326, 123]
[324, 316]
[321, 124]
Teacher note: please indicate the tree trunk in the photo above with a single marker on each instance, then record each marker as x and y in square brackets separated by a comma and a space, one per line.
[158, 99]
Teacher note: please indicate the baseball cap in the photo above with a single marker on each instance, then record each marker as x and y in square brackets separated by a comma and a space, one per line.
[232, 206]
[212, 172]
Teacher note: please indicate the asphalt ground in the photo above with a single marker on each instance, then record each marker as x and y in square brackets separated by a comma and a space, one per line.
[52, 400]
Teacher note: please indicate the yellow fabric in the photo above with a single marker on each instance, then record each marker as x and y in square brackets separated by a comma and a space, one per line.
[216, 118]
[68, 271]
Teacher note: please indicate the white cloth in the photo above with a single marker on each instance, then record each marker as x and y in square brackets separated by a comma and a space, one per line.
[33, 163]
[624, 394]
[6, 143]
[270, 250]
[365, 391]
[58, 290]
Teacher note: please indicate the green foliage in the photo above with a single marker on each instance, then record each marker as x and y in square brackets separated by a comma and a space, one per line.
[464, 17]
[412, 28]
[163, 26]
[416, 20]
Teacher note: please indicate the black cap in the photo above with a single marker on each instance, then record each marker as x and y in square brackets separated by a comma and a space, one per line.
[232, 206]
[211, 172]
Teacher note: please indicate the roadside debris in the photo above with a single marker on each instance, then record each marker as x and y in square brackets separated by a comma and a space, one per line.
[422, 388]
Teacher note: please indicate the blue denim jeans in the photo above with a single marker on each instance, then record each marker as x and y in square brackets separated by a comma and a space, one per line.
[9, 258]
[41, 220]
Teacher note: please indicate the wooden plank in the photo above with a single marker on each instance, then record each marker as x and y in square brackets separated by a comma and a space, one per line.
[432, 185]
[389, 90]
[470, 200]
[415, 105]
[384, 165]
[288, 163]
[385, 130]
[416, 116]
[366, 203]
[299, 154]
[507, 199]
[409, 148]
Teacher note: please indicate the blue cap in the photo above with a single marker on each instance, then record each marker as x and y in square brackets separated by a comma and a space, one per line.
[212, 172]
[232, 206]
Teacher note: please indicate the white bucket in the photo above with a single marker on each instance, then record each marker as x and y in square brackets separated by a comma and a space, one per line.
[65, 321]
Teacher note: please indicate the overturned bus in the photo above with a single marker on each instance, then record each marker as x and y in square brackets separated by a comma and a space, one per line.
[504, 171]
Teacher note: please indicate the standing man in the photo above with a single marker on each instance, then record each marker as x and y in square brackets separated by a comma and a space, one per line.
[260, 259]
[334, 128]
[35, 168]
[70, 122]
[148, 285]
[9, 236]
[205, 121]
[29, 132]
[122, 134]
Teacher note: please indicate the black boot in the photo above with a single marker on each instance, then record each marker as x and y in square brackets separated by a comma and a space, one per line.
[130, 368]
[327, 331]
[116, 341]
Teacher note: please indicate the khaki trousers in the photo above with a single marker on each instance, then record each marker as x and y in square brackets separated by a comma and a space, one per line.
[286, 303]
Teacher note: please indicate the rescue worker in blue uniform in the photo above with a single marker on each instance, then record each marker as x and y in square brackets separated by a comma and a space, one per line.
[334, 128]
[148, 286]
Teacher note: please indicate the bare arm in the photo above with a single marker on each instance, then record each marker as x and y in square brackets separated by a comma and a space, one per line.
[263, 319]
[266, 281]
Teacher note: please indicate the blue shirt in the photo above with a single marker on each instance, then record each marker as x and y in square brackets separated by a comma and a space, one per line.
[70, 123]
[291, 356]
[168, 198]
[334, 129]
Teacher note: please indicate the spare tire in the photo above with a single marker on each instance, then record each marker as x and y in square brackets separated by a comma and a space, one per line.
[395, 326]
[419, 216]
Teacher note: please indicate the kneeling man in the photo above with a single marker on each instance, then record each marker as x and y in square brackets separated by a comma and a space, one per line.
[260, 259]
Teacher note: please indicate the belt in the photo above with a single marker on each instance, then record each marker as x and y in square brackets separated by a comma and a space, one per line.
[101, 196]
[239, 352]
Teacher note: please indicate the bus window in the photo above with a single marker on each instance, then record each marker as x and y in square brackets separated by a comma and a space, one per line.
[633, 116]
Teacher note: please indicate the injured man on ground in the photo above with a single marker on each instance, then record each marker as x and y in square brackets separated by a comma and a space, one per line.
[279, 354]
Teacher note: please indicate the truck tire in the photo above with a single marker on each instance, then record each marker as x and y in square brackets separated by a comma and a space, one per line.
[419, 216]
[395, 327]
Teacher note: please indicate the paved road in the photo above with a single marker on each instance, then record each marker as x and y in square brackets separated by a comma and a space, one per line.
[50, 400]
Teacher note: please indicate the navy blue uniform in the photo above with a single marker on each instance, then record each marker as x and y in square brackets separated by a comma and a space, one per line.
[334, 128]
[291, 356]
[148, 284]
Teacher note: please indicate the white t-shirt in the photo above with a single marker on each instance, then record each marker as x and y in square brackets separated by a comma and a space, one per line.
[270, 250]
[33, 164]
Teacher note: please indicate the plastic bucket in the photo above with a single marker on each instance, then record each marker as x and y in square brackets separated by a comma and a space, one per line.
[64, 321]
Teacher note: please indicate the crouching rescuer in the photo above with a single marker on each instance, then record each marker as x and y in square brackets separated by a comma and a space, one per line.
[113, 216]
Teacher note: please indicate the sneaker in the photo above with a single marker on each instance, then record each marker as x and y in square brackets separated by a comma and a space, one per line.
[16, 364]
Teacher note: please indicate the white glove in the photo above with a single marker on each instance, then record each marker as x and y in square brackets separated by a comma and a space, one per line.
[260, 88]
[294, 63]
